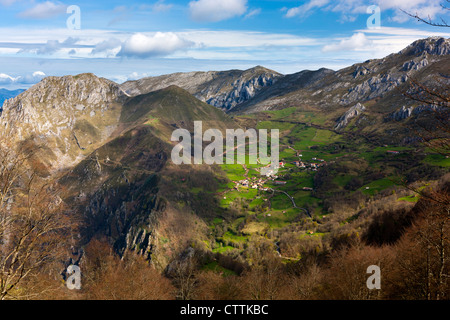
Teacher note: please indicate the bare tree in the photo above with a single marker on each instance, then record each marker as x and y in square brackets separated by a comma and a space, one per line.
[437, 96]
[33, 226]
[266, 280]
[435, 135]
[422, 267]
[110, 277]
[428, 20]
[306, 285]
[184, 274]
[346, 275]
[422, 255]
[433, 237]
[214, 285]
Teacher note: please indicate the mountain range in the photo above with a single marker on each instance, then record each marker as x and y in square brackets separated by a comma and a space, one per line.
[109, 144]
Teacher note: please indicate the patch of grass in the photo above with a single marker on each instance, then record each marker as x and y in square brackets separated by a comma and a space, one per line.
[276, 219]
[311, 235]
[256, 202]
[308, 136]
[234, 172]
[378, 185]
[223, 249]
[269, 125]
[229, 198]
[215, 267]
[437, 160]
[312, 117]
[231, 237]
[283, 113]
[217, 221]
[411, 198]
[288, 153]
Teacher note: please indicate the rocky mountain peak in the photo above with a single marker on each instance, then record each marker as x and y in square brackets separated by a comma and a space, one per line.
[222, 89]
[261, 69]
[83, 87]
[433, 45]
[69, 114]
[246, 85]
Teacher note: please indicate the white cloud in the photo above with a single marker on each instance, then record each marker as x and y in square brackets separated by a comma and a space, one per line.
[211, 48]
[44, 10]
[160, 44]
[405, 33]
[356, 42]
[161, 6]
[107, 46]
[305, 8]
[121, 78]
[253, 13]
[246, 39]
[50, 47]
[348, 7]
[376, 43]
[32, 78]
[406, 4]
[98, 44]
[425, 8]
[6, 79]
[136, 76]
[216, 10]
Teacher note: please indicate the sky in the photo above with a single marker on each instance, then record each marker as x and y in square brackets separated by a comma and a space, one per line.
[128, 40]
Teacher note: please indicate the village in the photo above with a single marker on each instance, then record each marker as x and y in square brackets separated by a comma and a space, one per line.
[276, 178]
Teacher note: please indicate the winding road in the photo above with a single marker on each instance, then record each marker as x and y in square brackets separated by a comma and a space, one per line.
[293, 201]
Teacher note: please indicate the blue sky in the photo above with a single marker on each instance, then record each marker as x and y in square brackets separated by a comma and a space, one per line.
[133, 39]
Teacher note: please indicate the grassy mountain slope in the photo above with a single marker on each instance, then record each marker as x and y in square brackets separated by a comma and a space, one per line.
[128, 191]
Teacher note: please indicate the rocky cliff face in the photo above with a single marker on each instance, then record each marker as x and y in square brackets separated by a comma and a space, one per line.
[372, 88]
[415, 65]
[353, 112]
[433, 46]
[375, 83]
[68, 115]
[242, 90]
[405, 113]
[222, 89]
[385, 79]
[402, 114]
[274, 96]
